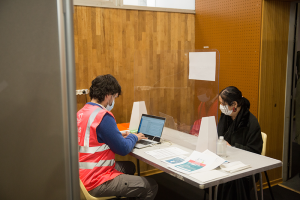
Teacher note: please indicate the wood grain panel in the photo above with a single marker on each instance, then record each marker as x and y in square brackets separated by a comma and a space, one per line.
[109, 40]
[274, 44]
[233, 27]
[169, 90]
[281, 0]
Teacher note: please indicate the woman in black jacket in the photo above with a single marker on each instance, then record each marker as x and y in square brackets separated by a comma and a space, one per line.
[240, 129]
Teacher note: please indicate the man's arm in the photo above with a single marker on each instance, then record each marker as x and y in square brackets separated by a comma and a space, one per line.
[108, 133]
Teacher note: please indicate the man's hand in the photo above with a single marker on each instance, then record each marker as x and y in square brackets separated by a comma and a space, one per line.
[125, 134]
[140, 136]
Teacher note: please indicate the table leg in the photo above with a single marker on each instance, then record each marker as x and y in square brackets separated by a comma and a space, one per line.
[261, 186]
[138, 166]
[216, 192]
[210, 193]
[254, 187]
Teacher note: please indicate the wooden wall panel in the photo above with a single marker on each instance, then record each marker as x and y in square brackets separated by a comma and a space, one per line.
[169, 90]
[109, 40]
[274, 46]
[233, 27]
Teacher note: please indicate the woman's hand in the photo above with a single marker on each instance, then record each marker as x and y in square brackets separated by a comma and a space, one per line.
[228, 143]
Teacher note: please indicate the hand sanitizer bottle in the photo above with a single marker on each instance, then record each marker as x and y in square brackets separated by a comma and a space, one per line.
[220, 146]
[224, 148]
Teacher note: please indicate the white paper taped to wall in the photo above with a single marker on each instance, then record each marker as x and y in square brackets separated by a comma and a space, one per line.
[202, 66]
[138, 109]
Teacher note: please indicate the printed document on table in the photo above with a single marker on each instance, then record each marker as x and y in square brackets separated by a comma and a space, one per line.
[166, 152]
[194, 163]
[175, 160]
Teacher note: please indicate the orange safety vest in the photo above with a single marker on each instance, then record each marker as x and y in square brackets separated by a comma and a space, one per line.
[96, 160]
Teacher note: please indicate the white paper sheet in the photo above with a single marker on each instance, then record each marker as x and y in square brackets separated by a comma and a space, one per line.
[202, 66]
[209, 176]
[166, 152]
[215, 164]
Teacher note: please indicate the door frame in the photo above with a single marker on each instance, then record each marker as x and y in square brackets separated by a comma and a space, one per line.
[288, 94]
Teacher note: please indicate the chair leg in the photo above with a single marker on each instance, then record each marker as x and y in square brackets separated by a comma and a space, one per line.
[270, 188]
[254, 187]
[138, 166]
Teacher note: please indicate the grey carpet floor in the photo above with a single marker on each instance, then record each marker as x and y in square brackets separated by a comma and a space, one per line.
[173, 188]
[293, 183]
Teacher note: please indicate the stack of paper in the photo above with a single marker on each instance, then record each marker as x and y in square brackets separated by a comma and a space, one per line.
[234, 166]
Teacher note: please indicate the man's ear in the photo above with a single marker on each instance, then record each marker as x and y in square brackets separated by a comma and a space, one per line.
[106, 96]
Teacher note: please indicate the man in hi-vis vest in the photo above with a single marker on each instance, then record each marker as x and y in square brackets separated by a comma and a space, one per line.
[99, 139]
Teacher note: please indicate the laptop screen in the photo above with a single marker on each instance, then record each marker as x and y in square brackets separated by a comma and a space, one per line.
[151, 126]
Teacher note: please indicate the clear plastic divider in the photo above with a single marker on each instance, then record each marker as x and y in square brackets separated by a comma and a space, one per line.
[162, 81]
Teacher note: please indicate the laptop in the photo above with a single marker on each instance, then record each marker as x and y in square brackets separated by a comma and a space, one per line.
[151, 127]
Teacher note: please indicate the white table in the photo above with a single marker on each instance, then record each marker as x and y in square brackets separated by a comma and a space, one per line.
[187, 143]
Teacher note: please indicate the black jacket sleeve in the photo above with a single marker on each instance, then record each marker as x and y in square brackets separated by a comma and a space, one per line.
[253, 139]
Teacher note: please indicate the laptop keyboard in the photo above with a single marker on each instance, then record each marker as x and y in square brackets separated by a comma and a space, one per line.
[144, 142]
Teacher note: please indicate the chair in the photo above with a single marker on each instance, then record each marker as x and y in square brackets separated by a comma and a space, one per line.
[263, 152]
[90, 197]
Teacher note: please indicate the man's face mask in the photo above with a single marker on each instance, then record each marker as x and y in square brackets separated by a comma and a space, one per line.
[110, 107]
[203, 97]
[225, 109]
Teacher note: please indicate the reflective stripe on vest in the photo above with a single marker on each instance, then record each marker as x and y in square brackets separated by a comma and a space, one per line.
[93, 149]
[101, 163]
[87, 130]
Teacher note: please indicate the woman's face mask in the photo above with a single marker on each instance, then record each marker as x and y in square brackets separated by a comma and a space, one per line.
[203, 97]
[225, 109]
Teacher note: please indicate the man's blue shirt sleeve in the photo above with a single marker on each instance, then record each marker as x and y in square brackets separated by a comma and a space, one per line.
[108, 133]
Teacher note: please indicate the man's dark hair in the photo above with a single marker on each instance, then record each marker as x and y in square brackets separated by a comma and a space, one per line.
[104, 85]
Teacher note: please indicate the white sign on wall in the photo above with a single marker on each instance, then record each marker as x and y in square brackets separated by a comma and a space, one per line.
[202, 66]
